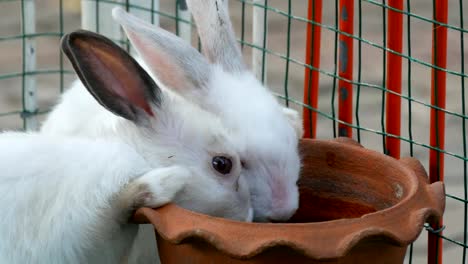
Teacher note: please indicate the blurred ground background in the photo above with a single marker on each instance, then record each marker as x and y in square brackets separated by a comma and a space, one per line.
[372, 72]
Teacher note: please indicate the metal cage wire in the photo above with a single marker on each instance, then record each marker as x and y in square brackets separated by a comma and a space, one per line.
[329, 95]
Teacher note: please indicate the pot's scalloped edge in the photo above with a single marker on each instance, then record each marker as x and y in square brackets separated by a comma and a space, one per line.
[433, 199]
[417, 219]
[344, 247]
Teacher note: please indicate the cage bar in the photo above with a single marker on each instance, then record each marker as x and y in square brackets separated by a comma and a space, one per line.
[464, 140]
[97, 16]
[311, 76]
[184, 29]
[88, 15]
[359, 72]
[410, 107]
[394, 72]
[345, 68]
[242, 25]
[154, 15]
[28, 21]
[288, 54]
[384, 74]
[437, 123]
[259, 39]
[335, 68]
[143, 14]
[61, 21]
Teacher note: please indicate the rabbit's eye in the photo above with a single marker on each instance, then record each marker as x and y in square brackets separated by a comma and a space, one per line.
[222, 164]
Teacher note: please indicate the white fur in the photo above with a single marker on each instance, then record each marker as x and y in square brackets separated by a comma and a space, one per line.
[79, 114]
[174, 142]
[266, 135]
[67, 200]
[62, 196]
[180, 133]
[269, 141]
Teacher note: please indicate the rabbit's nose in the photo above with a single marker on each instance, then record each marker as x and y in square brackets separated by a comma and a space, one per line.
[285, 201]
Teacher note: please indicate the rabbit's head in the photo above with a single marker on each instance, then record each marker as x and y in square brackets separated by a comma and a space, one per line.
[265, 133]
[165, 129]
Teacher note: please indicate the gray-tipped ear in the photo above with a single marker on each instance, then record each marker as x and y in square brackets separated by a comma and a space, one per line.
[295, 120]
[114, 78]
[216, 33]
[173, 61]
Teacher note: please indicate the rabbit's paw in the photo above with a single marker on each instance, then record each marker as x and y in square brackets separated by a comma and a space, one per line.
[157, 187]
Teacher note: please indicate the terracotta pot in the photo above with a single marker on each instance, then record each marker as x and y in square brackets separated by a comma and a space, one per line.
[356, 206]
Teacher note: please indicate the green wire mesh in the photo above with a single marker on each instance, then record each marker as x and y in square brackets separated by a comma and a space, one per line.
[282, 51]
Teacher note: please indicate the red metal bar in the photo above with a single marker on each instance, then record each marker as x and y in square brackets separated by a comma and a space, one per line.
[437, 126]
[311, 77]
[345, 65]
[394, 62]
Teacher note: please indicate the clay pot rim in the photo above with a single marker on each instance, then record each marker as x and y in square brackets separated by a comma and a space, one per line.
[366, 227]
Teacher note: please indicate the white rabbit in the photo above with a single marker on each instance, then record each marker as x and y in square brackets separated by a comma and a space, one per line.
[265, 132]
[67, 200]
[70, 200]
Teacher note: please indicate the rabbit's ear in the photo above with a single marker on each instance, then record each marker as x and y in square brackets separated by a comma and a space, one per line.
[216, 33]
[113, 77]
[173, 61]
